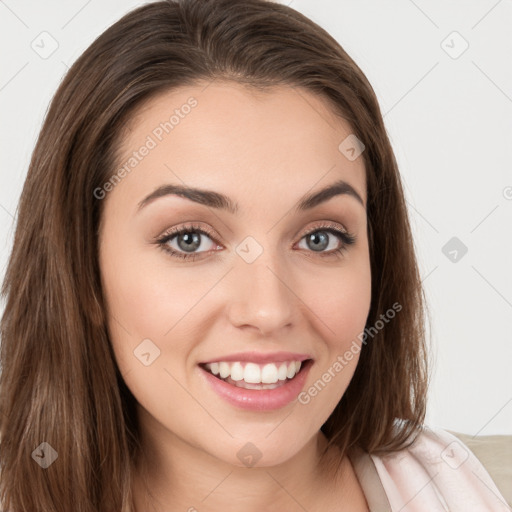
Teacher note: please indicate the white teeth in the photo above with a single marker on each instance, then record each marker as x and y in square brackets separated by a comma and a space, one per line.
[270, 374]
[253, 373]
[237, 371]
[281, 373]
[224, 370]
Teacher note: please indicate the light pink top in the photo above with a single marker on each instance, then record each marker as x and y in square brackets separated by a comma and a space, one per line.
[437, 473]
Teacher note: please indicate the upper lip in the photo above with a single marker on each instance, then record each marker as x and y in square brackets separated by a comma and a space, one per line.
[260, 357]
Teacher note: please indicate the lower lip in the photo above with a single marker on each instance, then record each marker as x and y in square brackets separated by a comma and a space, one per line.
[259, 399]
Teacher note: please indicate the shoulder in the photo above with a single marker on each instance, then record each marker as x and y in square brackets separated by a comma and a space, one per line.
[438, 471]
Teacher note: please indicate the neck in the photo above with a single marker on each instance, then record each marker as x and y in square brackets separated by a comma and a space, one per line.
[176, 475]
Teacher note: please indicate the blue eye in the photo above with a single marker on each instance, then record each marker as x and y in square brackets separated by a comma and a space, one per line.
[319, 237]
[189, 239]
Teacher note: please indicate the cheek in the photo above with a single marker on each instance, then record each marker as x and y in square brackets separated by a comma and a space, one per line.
[339, 304]
[150, 307]
[341, 301]
[346, 310]
[147, 302]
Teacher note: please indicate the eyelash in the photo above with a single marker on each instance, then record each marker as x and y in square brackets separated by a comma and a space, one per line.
[347, 239]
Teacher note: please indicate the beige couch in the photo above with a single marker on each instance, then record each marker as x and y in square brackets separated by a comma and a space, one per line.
[495, 453]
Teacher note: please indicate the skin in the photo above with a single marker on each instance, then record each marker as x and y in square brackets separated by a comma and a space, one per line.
[265, 150]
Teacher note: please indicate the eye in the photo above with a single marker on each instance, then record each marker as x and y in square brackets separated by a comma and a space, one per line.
[188, 242]
[184, 242]
[327, 240]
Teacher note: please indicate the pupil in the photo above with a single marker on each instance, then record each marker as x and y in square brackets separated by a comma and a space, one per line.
[319, 237]
[192, 241]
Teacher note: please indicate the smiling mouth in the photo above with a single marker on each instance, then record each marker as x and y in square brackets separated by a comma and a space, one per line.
[248, 375]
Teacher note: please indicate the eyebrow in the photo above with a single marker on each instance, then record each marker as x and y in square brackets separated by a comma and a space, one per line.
[220, 201]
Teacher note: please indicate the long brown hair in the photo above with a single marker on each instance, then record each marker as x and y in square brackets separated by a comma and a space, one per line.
[60, 383]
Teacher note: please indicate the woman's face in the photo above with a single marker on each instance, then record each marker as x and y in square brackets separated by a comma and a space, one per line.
[258, 282]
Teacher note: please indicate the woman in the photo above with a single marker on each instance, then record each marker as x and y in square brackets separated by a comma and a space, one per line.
[213, 296]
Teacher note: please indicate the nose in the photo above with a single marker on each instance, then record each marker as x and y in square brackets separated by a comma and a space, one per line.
[261, 296]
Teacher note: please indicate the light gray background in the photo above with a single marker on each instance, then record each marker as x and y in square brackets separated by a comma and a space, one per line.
[449, 117]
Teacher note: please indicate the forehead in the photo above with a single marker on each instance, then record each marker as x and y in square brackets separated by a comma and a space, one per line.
[224, 134]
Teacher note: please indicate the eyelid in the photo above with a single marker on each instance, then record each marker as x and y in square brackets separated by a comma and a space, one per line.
[347, 238]
[213, 235]
[187, 227]
[325, 225]
[333, 227]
